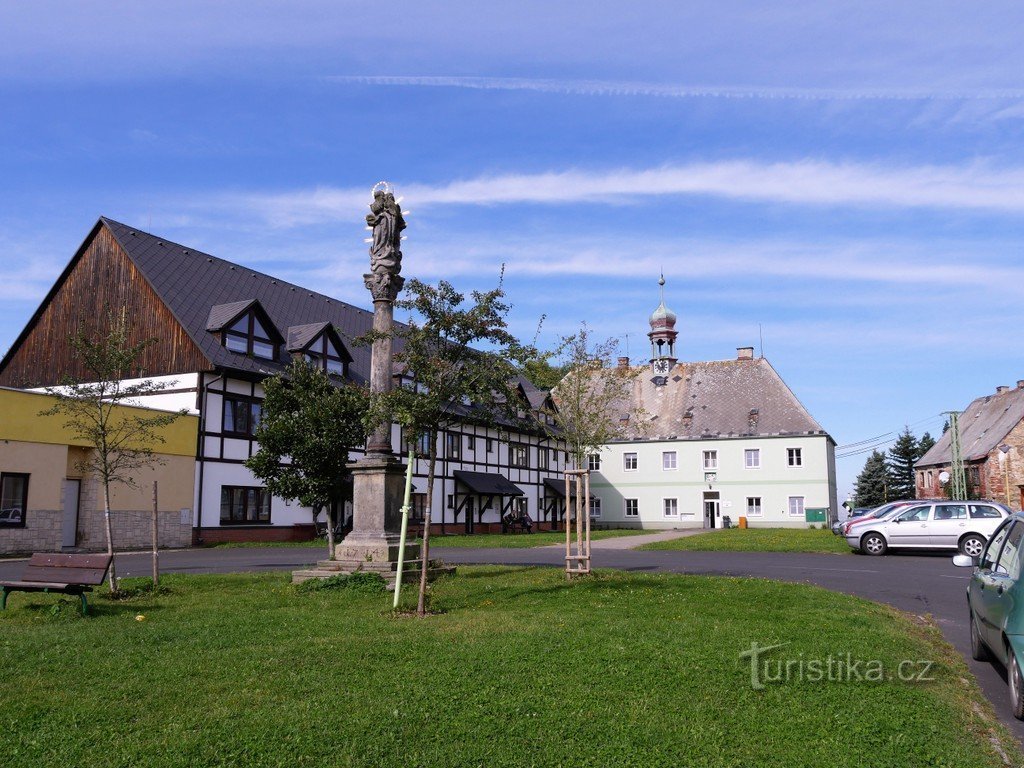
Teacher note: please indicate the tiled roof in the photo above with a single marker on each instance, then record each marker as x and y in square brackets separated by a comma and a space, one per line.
[983, 426]
[299, 336]
[222, 314]
[723, 398]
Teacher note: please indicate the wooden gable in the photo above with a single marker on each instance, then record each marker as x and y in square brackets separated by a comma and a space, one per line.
[100, 276]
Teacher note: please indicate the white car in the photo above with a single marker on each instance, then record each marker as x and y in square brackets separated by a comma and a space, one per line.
[960, 525]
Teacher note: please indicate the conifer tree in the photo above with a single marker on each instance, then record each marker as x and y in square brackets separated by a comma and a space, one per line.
[900, 464]
[870, 488]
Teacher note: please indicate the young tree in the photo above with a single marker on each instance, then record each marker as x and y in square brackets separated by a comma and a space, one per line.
[307, 427]
[902, 456]
[594, 399]
[122, 441]
[870, 490]
[452, 381]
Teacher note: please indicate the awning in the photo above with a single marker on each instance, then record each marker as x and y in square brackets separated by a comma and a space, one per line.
[487, 483]
[557, 488]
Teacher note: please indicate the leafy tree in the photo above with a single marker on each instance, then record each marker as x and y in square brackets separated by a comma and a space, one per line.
[307, 428]
[122, 441]
[870, 489]
[453, 383]
[593, 399]
[902, 456]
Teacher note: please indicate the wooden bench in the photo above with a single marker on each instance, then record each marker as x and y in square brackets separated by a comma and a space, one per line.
[70, 574]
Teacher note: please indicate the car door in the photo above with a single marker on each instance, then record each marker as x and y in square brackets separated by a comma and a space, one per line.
[990, 586]
[910, 528]
[948, 524]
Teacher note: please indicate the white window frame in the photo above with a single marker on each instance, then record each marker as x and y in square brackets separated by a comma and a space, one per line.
[747, 453]
[595, 507]
[665, 507]
[794, 457]
[636, 508]
[751, 507]
[594, 462]
[665, 459]
[712, 465]
[625, 461]
[801, 513]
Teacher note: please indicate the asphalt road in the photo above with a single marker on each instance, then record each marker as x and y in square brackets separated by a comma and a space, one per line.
[919, 583]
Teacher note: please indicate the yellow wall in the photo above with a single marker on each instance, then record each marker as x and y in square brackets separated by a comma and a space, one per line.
[20, 420]
[45, 463]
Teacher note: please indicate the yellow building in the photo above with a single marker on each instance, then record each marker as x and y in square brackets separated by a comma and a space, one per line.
[47, 503]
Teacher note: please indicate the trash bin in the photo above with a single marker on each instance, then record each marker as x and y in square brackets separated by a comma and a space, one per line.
[816, 514]
[726, 521]
[743, 522]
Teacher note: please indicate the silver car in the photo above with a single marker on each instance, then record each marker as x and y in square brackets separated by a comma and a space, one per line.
[960, 525]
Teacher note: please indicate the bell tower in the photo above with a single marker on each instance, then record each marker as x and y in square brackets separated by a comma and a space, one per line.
[663, 336]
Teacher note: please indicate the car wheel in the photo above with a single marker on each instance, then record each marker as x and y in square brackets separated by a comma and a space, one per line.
[972, 545]
[1016, 686]
[874, 544]
[979, 651]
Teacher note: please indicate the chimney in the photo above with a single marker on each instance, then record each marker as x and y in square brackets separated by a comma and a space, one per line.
[623, 362]
[744, 353]
[1020, 383]
[1001, 390]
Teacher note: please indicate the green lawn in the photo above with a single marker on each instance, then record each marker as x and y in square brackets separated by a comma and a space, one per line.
[518, 540]
[758, 540]
[520, 669]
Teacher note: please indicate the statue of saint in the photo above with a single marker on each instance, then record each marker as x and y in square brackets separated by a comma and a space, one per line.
[385, 218]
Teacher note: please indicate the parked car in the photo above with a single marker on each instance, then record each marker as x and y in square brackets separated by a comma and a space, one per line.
[995, 604]
[878, 513]
[855, 514]
[962, 525]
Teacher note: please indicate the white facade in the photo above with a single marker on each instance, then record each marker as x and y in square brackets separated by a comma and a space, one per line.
[771, 481]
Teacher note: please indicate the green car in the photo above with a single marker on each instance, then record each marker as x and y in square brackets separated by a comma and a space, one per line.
[995, 598]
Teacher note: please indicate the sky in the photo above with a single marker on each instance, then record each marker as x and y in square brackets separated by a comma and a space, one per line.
[840, 185]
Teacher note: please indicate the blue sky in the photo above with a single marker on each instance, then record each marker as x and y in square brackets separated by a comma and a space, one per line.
[847, 176]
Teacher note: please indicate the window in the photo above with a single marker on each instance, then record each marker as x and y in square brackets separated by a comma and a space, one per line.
[13, 499]
[1009, 560]
[752, 458]
[796, 506]
[323, 353]
[518, 455]
[595, 507]
[951, 512]
[490, 445]
[631, 507]
[522, 506]
[470, 443]
[914, 514]
[710, 459]
[451, 501]
[982, 511]
[629, 462]
[241, 416]
[992, 550]
[974, 475]
[543, 458]
[794, 457]
[453, 445]
[928, 479]
[418, 507]
[753, 506]
[423, 446]
[594, 462]
[242, 505]
[248, 336]
[668, 460]
[671, 507]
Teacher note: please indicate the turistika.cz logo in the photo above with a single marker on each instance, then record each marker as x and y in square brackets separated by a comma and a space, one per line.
[833, 668]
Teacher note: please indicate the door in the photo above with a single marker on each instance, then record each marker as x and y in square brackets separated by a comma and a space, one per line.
[948, 524]
[989, 588]
[712, 507]
[910, 528]
[69, 527]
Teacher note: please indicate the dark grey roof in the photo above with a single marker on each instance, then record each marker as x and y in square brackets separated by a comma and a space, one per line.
[191, 283]
[721, 398]
[983, 426]
[222, 314]
[299, 336]
[487, 483]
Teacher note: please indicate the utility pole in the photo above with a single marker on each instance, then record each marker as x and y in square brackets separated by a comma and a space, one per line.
[958, 479]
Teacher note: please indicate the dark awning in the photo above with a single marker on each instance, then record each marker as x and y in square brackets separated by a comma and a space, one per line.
[487, 483]
[555, 486]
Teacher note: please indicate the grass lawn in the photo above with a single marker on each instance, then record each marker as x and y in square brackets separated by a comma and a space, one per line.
[520, 669]
[519, 540]
[758, 540]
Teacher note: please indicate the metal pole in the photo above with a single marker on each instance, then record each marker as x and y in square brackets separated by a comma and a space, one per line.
[405, 525]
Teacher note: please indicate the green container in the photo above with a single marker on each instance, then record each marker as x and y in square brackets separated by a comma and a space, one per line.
[816, 514]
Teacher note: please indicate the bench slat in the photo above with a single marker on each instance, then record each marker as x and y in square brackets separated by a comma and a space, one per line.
[26, 585]
[65, 575]
[49, 559]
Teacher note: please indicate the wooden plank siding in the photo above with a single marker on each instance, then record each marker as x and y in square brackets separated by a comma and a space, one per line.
[101, 276]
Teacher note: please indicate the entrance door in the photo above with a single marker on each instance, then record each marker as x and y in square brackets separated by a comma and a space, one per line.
[69, 528]
[468, 512]
[712, 507]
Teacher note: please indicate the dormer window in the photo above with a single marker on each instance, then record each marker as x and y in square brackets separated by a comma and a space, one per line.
[248, 336]
[323, 353]
[319, 344]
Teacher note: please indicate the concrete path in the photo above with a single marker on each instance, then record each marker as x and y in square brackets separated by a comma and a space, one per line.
[632, 542]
